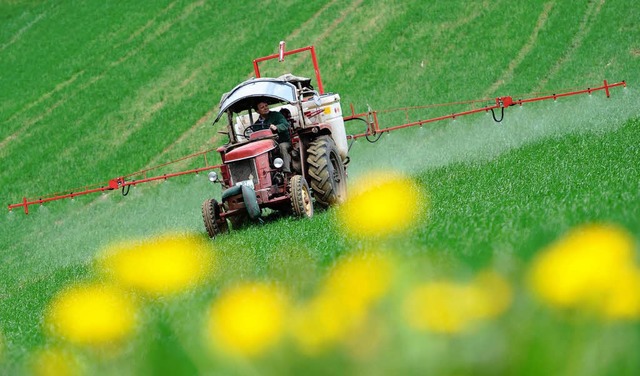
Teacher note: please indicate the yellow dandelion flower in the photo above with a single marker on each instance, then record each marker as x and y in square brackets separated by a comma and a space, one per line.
[623, 300]
[382, 204]
[55, 362]
[160, 266]
[452, 307]
[360, 279]
[440, 307]
[92, 315]
[248, 319]
[321, 323]
[495, 294]
[590, 268]
[351, 288]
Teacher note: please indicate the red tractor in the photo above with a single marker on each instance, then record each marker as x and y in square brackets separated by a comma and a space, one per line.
[253, 177]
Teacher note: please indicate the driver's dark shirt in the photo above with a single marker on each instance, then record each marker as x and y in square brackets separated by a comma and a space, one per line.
[279, 121]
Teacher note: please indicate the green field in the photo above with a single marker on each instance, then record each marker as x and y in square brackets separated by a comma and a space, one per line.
[94, 90]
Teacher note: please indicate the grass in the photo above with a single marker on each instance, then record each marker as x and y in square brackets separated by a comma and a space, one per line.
[88, 98]
[537, 196]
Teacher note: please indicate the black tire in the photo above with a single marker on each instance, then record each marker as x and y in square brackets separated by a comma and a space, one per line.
[327, 174]
[251, 202]
[301, 203]
[212, 221]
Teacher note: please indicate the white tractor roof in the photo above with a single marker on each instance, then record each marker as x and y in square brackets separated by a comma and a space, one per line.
[248, 93]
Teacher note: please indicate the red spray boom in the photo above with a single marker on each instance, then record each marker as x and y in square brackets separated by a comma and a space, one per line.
[371, 118]
[373, 128]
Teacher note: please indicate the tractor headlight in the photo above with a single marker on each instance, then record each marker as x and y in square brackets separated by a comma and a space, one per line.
[278, 162]
[213, 177]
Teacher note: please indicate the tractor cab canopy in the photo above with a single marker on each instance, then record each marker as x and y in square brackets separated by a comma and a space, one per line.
[247, 94]
[302, 83]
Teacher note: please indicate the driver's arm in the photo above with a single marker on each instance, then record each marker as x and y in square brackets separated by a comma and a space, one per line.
[280, 122]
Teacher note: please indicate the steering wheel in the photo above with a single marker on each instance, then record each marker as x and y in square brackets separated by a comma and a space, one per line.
[250, 129]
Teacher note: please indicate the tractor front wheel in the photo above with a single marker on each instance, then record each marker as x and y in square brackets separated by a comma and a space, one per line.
[212, 221]
[327, 174]
[301, 203]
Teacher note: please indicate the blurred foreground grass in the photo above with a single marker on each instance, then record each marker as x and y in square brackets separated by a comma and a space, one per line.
[176, 304]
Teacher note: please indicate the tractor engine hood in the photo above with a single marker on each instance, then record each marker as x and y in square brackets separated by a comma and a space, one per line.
[250, 150]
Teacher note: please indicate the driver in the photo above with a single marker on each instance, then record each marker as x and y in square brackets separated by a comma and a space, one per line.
[278, 124]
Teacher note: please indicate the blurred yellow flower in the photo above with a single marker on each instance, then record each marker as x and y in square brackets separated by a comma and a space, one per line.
[439, 306]
[160, 266]
[248, 319]
[320, 323]
[381, 204]
[55, 362]
[92, 315]
[453, 307]
[359, 279]
[623, 301]
[495, 294]
[345, 298]
[592, 268]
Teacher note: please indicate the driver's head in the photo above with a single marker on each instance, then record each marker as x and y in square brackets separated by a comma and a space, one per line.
[262, 108]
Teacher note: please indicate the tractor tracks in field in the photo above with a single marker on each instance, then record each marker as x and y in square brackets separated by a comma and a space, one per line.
[338, 21]
[584, 28]
[31, 121]
[452, 27]
[58, 87]
[308, 24]
[184, 136]
[592, 12]
[524, 51]
[149, 32]
[20, 32]
[154, 33]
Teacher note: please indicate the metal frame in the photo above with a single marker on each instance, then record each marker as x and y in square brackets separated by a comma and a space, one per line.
[280, 56]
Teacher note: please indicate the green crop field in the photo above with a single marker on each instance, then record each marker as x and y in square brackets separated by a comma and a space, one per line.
[466, 246]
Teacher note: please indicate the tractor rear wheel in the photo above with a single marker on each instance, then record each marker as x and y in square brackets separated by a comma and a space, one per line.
[327, 174]
[212, 221]
[301, 203]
